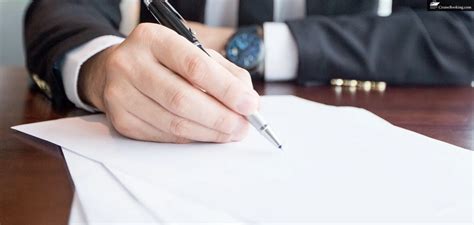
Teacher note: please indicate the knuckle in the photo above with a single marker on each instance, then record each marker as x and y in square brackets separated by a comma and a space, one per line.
[120, 124]
[117, 61]
[177, 101]
[196, 68]
[150, 35]
[111, 93]
[144, 29]
[178, 127]
[228, 90]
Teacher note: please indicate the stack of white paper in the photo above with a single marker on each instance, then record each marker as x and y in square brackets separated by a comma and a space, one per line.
[340, 165]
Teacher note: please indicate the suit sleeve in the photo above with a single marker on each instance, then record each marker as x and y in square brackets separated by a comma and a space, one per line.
[410, 47]
[54, 27]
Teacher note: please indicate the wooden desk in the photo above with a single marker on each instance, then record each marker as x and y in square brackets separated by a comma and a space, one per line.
[35, 186]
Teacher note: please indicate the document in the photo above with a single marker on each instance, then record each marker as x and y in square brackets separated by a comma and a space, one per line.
[99, 197]
[339, 165]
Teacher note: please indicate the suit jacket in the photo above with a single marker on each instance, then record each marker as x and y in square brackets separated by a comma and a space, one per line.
[338, 39]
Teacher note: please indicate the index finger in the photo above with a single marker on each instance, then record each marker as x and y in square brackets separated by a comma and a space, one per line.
[181, 56]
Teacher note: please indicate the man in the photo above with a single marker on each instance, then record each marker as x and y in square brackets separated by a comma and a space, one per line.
[150, 83]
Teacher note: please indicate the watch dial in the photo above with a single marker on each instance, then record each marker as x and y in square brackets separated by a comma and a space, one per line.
[245, 50]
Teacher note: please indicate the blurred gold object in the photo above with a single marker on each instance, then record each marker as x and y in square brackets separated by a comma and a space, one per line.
[350, 83]
[42, 85]
[357, 84]
[337, 82]
[381, 86]
[366, 85]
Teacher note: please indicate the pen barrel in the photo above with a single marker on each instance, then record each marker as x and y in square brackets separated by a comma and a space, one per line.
[263, 128]
[257, 121]
[169, 17]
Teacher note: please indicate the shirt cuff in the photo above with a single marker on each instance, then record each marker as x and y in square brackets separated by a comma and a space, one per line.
[73, 62]
[281, 52]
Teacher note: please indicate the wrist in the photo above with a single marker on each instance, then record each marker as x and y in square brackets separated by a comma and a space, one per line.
[217, 38]
[246, 49]
[226, 34]
[92, 78]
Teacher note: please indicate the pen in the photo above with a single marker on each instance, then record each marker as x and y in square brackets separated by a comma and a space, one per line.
[167, 16]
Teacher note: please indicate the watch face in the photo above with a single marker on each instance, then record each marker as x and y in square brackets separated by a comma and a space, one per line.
[245, 50]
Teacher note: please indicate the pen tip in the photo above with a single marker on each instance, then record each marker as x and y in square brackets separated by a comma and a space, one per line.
[280, 147]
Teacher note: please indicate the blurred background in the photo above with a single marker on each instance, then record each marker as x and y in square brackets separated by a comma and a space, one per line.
[11, 38]
[11, 25]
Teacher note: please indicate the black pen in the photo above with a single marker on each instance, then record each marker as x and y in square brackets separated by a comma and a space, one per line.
[167, 16]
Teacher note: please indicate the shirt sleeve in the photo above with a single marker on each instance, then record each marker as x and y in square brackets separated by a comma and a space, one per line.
[73, 61]
[281, 52]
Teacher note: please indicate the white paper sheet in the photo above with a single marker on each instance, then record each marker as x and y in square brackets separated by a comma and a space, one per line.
[139, 202]
[100, 199]
[340, 164]
[77, 216]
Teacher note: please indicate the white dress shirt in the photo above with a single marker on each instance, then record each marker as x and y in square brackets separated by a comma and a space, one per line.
[281, 53]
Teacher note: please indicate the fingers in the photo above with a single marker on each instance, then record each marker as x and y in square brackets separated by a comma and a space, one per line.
[146, 99]
[133, 127]
[184, 100]
[144, 119]
[242, 74]
[181, 56]
[154, 114]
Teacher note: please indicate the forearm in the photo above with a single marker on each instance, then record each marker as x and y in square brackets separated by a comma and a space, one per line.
[408, 47]
[55, 27]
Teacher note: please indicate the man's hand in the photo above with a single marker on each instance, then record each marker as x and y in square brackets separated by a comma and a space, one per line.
[157, 86]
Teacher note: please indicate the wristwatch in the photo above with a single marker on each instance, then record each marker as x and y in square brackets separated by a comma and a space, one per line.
[246, 49]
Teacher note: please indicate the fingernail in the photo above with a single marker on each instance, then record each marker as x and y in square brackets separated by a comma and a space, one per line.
[247, 104]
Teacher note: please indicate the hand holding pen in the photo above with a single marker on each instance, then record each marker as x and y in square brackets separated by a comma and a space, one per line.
[166, 15]
[147, 85]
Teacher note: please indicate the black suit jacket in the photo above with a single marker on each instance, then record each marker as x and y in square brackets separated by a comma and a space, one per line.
[338, 39]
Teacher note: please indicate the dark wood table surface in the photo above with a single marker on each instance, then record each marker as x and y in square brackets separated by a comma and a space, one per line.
[36, 188]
